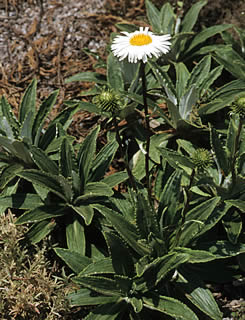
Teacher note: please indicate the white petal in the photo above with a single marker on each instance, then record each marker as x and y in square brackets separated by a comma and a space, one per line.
[122, 48]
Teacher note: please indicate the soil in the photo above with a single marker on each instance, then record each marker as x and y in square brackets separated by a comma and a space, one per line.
[51, 39]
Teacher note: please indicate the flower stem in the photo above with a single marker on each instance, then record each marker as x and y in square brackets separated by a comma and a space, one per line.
[185, 209]
[119, 141]
[147, 125]
[233, 172]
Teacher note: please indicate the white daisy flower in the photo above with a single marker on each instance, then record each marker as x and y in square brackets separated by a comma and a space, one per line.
[140, 45]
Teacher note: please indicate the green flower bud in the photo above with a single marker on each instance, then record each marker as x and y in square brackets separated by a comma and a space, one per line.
[238, 106]
[202, 159]
[108, 101]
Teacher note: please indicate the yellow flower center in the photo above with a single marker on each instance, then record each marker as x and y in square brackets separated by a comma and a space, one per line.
[140, 40]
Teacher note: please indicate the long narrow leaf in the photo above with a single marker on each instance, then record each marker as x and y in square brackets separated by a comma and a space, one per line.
[43, 161]
[40, 230]
[126, 230]
[40, 213]
[21, 201]
[7, 112]
[102, 161]
[153, 16]
[75, 237]
[202, 36]
[86, 155]
[121, 259]
[48, 181]
[88, 77]
[195, 220]
[169, 306]
[99, 284]
[41, 116]
[114, 73]
[83, 297]
[194, 290]
[28, 101]
[158, 270]
[67, 159]
[192, 15]
[77, 262]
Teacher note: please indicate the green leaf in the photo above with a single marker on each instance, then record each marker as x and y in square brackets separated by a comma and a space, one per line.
[196, 256]
[159, 269]
[137, 304]
[6, 143]
[176, 159]
[182, 76]
[40, 230]
[232, 61]
[222, 97]
[191, 16]
[115, 179]
[232, 223]
[28, 101]
[222, 248]
[187, 102]
[21, 201]
[26, 128]
[200, 72]
[202, 36]
[195, 220]
[126, 230]
[231, 139]
[86, 155]
[217, 214]
[95, 189]
[99, 284]
[40, 213]
[75, 237]
[46, 180]
[121, 258]
[239, 204]
[169, 306]
[88, 106]
[209, 80]
[87, 77]
[153, 16]
[219, 151]
[114, 73]
[6, 130]
[21, 150]
[9, 173]
[8, 114]
[67, 159]
[194, 290]
[103, 266]
[77, 262]
[83, 297]
[170, 199]
[41, 116]
[127, 27]
[109, 311]
[102, 161]
[167, 18]
[146, 220]
[85, 211]
[42, 160]
[163, 78]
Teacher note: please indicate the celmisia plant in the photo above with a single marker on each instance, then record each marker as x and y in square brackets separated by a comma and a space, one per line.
[138, 46]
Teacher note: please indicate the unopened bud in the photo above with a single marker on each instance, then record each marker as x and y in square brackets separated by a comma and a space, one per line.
[202, 159]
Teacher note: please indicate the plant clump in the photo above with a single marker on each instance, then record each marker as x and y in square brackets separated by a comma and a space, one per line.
[28, 289]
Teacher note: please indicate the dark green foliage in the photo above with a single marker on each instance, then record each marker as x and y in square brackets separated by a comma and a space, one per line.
[144, 241]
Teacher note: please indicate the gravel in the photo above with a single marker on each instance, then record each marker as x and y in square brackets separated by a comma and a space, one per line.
[46, 27]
